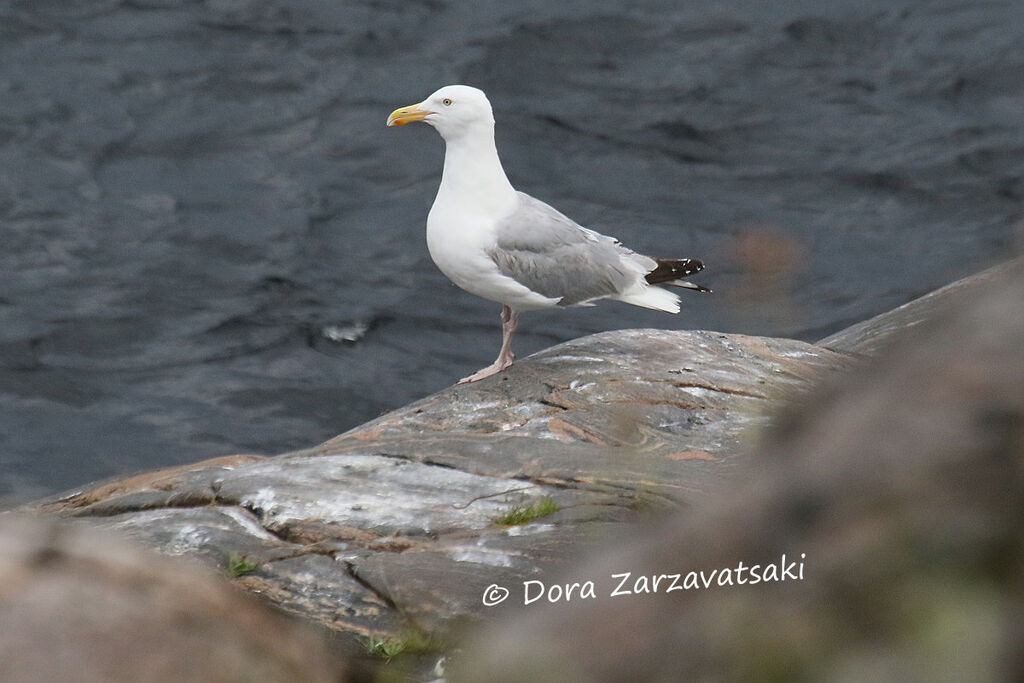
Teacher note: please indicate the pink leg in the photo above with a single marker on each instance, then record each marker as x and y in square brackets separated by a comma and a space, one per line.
[509, 320]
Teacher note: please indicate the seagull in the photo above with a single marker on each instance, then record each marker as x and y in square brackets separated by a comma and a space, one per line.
[506, 246]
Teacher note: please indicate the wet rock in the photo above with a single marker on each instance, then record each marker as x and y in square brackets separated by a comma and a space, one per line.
[895, 495]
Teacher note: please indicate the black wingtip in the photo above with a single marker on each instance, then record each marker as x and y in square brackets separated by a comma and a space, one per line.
[668, 270]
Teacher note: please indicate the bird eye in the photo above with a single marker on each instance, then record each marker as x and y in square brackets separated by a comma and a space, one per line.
[447, 101]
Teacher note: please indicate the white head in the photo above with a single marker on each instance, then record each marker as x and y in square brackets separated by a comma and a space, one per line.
[454, 111]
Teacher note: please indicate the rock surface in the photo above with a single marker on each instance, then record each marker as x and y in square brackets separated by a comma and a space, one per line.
[392, 528]
[899, 490]
[874, 334]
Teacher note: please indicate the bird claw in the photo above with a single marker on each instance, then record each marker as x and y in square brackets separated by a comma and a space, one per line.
[492, 369]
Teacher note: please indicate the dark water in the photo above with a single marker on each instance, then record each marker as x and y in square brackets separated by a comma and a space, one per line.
[212, 244]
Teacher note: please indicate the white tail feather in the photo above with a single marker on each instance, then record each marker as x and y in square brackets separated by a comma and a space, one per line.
[651, 297]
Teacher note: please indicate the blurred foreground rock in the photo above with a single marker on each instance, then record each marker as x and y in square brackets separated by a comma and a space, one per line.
[79, 606]
[393, 532]
[900, 491]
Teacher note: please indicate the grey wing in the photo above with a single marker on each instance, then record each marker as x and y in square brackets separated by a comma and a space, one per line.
[549, 253]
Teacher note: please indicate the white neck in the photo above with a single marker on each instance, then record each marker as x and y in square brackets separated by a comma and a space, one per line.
[473, 173]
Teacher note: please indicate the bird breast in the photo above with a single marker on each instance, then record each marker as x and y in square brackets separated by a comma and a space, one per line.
[459, 241]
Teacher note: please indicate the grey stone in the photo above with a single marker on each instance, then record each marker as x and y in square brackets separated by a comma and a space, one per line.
[212, 533]
[874, 334]
[898, 491]
[392, 528]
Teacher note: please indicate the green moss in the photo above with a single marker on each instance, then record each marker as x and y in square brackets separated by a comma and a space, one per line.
[526, 512]
[239, 565]
[408, 642]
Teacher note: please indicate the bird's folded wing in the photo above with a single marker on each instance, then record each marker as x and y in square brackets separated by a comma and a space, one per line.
[552, 255]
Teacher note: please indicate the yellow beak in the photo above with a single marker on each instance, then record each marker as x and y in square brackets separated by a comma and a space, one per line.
[408, 115]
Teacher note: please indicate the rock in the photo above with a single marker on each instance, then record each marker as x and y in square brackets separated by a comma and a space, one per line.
[399, 528]
[390, 528]
[898, 490]
[79, 605]
[874, 334]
